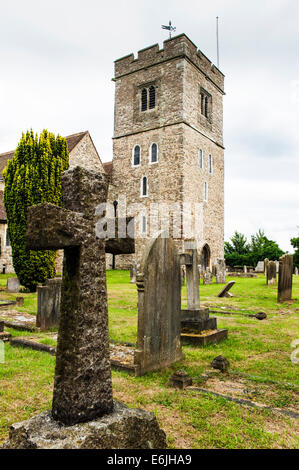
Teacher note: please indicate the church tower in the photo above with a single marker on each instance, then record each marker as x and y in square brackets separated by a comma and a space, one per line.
[168, 138]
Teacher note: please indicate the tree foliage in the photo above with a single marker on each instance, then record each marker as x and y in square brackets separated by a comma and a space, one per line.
[240, 252]
[31, 177]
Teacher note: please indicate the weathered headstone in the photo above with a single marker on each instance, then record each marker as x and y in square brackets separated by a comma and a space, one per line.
[277, 266]
[13, 285]
[260, 267]
[245, 269]
[159, 307]
[271, 273]
[285, 278]
[133, 271]
[266, 265]
[82, 386]
[180, 379]
[207, 277]
[225, 291]
[220, 271]
[296, 271]
[48, 304]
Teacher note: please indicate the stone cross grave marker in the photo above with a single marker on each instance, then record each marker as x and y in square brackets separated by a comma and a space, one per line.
[285, 278]
[82, 385]
[220, 271]
[271, 273]
[224, 292]
[159, 307]
[189, 259]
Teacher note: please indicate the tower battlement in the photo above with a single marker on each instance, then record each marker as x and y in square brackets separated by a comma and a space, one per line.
[176, 47]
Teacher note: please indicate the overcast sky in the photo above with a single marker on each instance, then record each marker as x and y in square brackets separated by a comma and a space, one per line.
[56, 62]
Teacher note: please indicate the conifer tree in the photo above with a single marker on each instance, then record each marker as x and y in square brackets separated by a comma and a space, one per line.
[31, 177]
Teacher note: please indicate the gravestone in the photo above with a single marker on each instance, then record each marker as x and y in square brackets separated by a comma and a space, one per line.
[277, 266]
[196, 319]
[133, 271]
[82, 385]
[285, 278]
[260, 267]
[271, 273]
[48, 304]
[13, 285]
[245, 269]
[225, 291]
[159, 307]
[296, 271]
[266, 265]
[220, 271]
[207, 277]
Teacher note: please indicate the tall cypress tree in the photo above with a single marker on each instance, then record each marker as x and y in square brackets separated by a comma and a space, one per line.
[31, 177]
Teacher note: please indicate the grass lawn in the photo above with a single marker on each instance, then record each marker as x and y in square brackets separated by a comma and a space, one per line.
[258, 351]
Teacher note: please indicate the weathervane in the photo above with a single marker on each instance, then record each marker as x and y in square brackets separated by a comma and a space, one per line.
[169, 28]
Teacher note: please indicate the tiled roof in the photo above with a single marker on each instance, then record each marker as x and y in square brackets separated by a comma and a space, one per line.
[72, 141]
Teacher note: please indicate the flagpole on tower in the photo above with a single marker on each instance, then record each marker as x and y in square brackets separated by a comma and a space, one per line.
[217, 40]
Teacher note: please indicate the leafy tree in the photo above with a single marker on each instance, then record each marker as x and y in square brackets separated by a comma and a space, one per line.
[31, 177]
[239, 252]
[295, 244]
[238, 244]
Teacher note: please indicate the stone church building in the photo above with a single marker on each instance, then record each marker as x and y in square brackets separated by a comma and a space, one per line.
[168, 148]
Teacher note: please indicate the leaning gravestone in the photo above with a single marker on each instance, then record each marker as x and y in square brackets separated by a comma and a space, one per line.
[285, 278]
[271, 273]
[48, 304]
[225, 291]
[159, 307]
[82, 385]
[220, 271]
[13, 285]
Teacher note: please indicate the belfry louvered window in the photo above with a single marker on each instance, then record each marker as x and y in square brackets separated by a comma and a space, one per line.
[144, 99]
[152, 97]
[148, 98]
[205, 103]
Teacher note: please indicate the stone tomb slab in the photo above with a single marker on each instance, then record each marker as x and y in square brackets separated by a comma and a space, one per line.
[204, 337]
[18, 320]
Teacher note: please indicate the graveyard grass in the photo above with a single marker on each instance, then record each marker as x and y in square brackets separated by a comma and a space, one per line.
[258, 351]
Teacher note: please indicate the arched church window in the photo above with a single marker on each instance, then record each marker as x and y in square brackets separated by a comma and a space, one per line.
[144, 186]
[144, 99]
[210, 164]
[136, 155]
[154, 153]
[205, 190]
[200, 159]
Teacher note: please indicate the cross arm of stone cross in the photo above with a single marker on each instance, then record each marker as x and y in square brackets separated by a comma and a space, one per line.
[50, 227]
